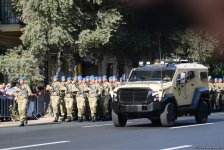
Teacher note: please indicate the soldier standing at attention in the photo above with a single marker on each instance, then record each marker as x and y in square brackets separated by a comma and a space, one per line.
[22, 92]
[62, 98]
[69, 99]
[54, 96]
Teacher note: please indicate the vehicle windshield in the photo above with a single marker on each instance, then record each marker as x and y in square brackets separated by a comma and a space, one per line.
[167, 75]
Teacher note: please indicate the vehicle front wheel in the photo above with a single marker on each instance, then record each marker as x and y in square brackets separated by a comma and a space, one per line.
[118, 120]
[201, 115]
[168, 116]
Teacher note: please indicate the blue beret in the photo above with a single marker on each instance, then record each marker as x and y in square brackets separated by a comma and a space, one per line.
[62, 77]
[21, 78]
[104, 77]
[79, 77]
[69, 78]
[55, 77]
[75, 77]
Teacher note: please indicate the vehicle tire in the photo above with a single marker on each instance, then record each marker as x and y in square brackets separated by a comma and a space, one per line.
[118, 120]
[201, 115]
[156, 121]
[168, 116]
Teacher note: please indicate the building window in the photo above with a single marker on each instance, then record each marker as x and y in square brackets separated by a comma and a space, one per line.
[6, 13]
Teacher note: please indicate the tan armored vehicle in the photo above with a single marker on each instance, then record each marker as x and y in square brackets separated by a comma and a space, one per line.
[162, 93]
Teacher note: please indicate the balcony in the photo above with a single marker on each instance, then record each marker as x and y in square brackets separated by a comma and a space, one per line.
[8, 22]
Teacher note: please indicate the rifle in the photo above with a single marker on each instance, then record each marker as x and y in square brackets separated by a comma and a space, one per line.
[105, 91]
[92, 90]
[53, 88]
[23, 92]
[80, 91]
[68, 90]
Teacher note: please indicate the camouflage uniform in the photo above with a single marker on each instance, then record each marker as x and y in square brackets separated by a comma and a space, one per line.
[22, 91]
[62, 100]
[92, 98]
[105, 99]
[54, 98]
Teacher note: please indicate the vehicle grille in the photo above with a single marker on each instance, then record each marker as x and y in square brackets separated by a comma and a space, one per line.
[134, 96]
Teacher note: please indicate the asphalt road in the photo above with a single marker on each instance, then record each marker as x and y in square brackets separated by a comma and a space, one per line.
[138, 134]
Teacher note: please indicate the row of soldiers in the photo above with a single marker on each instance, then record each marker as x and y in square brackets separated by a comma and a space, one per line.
[216, 91]
[81, 97]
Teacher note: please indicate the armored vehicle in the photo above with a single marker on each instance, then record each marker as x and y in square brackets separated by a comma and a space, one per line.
[161, 93]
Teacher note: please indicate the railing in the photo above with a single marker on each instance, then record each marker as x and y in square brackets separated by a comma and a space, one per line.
[37, 106]
[6, 13]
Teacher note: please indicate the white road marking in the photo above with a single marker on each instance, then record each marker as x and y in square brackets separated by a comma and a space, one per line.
[100, 125]
[216, 114]
[35, 145]
[191, 126]
[178, 147]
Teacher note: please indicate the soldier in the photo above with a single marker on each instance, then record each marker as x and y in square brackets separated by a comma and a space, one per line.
[212, 93]
[22, 92]
[92, 97]
[80, 98]
[54, 88]
[75, 109]
[115, 82]
[105, 98]
[62, 100]
[69, 99]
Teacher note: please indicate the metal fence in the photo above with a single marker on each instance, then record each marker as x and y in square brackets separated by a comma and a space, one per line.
[37, 106]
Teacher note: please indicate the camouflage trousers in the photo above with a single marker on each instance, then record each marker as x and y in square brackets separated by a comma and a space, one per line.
[104, 103]
[22, 107]
[69, 103]
[81, 105]
[62, 106]
[92, 105]
[55, 102]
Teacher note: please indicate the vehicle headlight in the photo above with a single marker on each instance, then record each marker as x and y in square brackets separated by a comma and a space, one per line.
[115, 96]
[155, 96]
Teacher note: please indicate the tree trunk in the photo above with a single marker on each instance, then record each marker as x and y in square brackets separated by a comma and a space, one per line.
[59, 60]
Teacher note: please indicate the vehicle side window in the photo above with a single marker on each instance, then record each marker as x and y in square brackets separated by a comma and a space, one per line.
[190, 75]
[203, 75]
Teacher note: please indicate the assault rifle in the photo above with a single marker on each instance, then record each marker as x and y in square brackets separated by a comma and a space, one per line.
[68, 90]
[92, 90]
[23, 92]
[79, 90]
[54, 89]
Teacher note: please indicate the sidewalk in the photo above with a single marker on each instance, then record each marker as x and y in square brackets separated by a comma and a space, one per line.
[40, 121]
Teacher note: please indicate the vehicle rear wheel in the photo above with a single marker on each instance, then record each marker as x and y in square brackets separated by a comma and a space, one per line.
[201, 115]
[168, 116]
[118, 120]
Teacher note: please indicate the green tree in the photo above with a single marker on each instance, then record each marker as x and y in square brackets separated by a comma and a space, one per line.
[17, 62]
[197, 45]
[70, 26]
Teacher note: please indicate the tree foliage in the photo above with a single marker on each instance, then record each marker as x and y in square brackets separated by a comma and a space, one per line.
[17, 62]
[197, 45]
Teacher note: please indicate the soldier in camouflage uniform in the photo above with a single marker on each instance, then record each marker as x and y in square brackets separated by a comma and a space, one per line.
[219, 90]
[69, 99]
[54, 88]
[22, 91]
[92, 97]
[81, 98]
[105, 98]
[75, 109]
[212, 93]
[62, 98]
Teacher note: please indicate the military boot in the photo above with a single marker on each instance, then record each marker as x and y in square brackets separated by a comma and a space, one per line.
[69, 119]
[93, 118]
[80, 118]
[21, 124]
[63, 118]
[56, 118]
